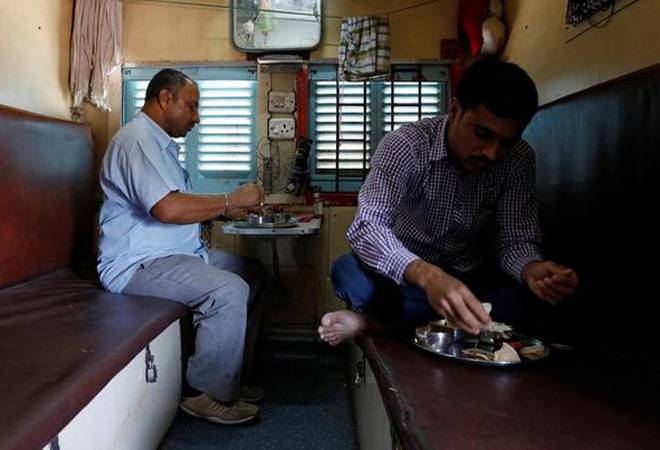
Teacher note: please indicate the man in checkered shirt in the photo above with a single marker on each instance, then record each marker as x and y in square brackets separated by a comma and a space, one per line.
[437, 190]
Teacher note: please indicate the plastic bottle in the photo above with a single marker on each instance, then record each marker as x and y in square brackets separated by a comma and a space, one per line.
[318, 205]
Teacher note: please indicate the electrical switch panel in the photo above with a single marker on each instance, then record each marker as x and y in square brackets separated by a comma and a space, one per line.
[281, 102]
[281, 128]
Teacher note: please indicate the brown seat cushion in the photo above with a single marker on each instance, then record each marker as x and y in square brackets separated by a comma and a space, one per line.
[62, 338]
[569, 401]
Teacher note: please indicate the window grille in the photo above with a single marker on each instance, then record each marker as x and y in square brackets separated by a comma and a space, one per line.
[348, 119]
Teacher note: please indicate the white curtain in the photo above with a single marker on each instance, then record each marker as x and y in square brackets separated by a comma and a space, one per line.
[95, 51]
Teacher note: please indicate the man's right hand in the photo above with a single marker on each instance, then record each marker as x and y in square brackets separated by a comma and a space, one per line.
[247, 196]
[448, 296]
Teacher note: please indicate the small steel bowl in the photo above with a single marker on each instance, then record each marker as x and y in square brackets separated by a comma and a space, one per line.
[275, 219]
[256, 219]
[281, 218]
[437, 336]
[443, 327]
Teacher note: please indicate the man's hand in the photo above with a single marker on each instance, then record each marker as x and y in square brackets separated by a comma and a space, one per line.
[448, 296]
[550, 281]
[245, 197]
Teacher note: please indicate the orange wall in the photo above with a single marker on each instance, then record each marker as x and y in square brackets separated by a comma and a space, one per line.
[628, 42]
[34, 50]
[158, 32]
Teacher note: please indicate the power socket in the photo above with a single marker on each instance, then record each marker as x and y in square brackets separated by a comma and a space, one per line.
[281, 128]
[281, 102]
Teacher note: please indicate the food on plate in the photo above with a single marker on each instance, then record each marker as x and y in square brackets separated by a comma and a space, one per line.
[517, 345]
[507, 353]
[533, 352]
[498, 327]
[496, 342]
[478, 353]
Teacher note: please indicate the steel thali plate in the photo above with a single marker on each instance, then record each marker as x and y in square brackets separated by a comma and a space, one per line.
[453, 350]
[245, 224]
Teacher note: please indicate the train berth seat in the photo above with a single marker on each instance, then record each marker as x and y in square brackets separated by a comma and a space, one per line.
[76, 363]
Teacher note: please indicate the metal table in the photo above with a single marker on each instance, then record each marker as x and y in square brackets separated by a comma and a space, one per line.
[301, 229]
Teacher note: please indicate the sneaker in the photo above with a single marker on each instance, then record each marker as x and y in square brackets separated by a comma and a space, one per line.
[251, 393]
[207, 408]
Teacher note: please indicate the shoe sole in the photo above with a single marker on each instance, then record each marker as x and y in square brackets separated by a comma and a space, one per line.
[217, 419]
[253, 399]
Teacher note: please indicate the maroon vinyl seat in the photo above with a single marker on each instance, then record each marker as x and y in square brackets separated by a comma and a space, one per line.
[62, 337]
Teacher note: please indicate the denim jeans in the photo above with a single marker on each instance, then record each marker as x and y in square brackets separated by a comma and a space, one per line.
[375, 295]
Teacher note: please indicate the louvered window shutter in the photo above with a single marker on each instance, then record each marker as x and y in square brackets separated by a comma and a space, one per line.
[348, 119]
[225, 132]
[407, 101]
[342, 123]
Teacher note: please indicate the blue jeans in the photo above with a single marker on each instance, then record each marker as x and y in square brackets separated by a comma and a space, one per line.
[377, 296]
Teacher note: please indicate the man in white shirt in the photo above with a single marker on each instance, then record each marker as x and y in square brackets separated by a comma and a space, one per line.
[150, 244]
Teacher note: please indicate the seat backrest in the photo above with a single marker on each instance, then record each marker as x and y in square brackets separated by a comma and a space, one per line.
[46, 194]
[598, 156]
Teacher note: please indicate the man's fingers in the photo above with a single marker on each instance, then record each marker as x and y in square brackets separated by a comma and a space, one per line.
[546, 293]
[561, 289]
[465, 318]
[444, 307]
[567, 280]
[563, 272]
[477, 308]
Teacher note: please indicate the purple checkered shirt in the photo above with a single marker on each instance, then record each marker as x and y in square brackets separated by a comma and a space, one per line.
[416, 203]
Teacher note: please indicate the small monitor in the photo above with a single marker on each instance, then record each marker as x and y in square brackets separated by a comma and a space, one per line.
[276, 25]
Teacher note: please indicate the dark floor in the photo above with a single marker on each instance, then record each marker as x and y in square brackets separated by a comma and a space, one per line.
[306, 406]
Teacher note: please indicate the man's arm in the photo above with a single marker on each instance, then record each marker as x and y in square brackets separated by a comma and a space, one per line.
[183, 208]
[448, 295]
[371, 236]
[518, 232]
[519, 236]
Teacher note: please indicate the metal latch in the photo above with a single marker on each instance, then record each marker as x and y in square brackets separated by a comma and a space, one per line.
[55, 443]
[359, 373]
[151, 372]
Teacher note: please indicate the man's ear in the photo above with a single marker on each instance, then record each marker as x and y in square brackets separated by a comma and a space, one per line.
[453, 108]
[164, 97]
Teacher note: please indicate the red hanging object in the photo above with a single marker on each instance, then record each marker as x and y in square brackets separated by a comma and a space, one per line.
[471, 14]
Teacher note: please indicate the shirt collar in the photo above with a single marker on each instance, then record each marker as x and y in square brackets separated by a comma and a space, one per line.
[164, 140]
[439, 150]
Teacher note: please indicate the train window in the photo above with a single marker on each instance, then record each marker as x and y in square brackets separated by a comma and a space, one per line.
[348, 119]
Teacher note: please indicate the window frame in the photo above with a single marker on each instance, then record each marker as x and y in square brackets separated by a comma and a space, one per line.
[327, 181]
[222, 181]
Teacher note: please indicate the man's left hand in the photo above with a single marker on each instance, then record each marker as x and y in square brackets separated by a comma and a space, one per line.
[550, 281]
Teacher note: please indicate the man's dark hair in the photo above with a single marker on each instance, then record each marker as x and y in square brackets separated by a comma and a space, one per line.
[169, 79]
[502, 87]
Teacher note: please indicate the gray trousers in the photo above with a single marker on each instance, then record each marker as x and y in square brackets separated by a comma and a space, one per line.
[219, 294]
